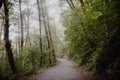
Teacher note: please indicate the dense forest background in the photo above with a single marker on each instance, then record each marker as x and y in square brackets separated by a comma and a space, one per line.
[30, 42]
[93, 35]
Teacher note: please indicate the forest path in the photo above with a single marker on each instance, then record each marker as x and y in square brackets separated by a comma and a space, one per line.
[65, 70]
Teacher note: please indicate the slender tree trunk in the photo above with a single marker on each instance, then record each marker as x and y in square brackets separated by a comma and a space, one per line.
[52, 51]
[28, 32]
[18, 35]
[40, 30]
[51, 41]
[27, 42]
[21, 19]
[47, 34]
[70, 4]
[6, 38]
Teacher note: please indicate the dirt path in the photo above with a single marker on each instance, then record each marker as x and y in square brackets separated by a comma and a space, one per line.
[65, 70]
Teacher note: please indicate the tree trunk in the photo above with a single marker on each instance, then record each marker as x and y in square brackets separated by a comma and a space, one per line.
[27, 41]
[40, 30]
[21, 19]
[51, 41]
[6, 38]
[46, 31]
[70, 4]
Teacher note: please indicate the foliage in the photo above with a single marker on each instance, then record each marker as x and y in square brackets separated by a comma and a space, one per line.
[93, 36]
[24, 55]
[27, 62]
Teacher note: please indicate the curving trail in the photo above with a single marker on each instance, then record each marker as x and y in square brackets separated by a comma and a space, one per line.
[65, 70]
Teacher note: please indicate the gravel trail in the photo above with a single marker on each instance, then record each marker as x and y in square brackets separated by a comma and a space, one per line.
[65, 70]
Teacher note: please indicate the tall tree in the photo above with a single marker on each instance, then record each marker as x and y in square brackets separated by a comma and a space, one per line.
[40, 31]
[46, 30]
[51, 40]
[21, 19]
[71, 1]
[6, 38]
[26, 17]
[71, 4]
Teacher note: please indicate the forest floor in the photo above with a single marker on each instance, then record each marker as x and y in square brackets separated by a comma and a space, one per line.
[65, 70]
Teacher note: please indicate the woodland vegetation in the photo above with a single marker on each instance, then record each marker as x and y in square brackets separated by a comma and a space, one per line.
[92, 33]
[31, 49]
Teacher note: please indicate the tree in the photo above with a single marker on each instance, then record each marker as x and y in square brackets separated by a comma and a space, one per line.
[26, 18]
[44, 15]
[6, 38]
[71, 4]
[51, 40]
[93, 35]
[21, 19]
[40, 31]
